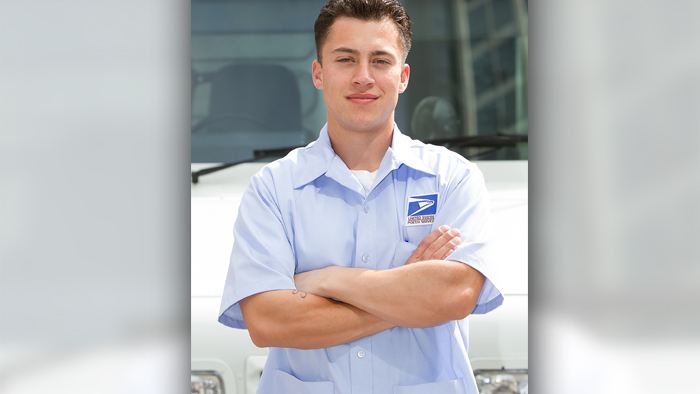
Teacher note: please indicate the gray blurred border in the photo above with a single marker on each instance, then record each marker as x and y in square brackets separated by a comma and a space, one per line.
[615, 187]
[94, 209]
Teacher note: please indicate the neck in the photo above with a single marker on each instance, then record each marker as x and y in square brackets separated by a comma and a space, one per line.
[361, 150]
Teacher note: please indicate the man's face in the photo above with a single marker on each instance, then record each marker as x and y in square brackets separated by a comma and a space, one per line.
[362, 74]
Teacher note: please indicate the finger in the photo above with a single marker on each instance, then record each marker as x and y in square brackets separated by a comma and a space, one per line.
[439, 247]
[447, 249]
[429, 240]
[425, 243]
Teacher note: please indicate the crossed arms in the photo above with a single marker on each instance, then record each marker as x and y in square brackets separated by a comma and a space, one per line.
[425, 292]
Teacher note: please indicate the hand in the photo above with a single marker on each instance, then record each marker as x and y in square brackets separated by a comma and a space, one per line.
[309, 281]
[438, 245]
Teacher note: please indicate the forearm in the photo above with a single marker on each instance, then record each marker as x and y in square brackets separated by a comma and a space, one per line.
[415, 295]
[293, 319]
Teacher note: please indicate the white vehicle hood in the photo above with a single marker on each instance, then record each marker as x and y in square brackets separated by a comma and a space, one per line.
[215, 200]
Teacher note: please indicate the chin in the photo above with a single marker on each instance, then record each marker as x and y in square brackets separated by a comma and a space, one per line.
[365, 126]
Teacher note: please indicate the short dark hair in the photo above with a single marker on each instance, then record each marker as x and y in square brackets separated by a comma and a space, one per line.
[367, 10]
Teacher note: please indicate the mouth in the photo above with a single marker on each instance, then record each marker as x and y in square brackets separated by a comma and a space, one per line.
[362, 98]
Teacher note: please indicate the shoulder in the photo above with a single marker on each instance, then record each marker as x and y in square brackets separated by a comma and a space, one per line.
[285, 172]
[442, 161]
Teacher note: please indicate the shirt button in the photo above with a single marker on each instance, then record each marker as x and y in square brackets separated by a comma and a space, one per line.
[365, 258]
[361, 354]
[366, 208]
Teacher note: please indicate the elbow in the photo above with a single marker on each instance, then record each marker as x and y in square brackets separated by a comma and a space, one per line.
[463, 304]
[466, 294]
[263, 332]
[258, 340]
[257, 317]
[267, 336]
[258, 335]
[269, 333]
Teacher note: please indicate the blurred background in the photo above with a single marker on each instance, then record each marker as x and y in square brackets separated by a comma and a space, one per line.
[614, 191]
[94, 205]
[469, 68]
[94, 196]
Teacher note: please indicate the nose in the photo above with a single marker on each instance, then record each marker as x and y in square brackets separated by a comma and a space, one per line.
[363, 76]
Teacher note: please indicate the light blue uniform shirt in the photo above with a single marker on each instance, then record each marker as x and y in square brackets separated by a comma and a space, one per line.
[308, 211]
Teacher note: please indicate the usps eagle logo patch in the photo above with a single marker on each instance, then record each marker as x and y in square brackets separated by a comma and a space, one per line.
[422, 209]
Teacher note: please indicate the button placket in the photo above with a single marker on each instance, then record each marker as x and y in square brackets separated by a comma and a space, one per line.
[361, 366]
[366, 246]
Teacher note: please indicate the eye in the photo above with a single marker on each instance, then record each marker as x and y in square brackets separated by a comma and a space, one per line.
[382, 62]
[345, 60]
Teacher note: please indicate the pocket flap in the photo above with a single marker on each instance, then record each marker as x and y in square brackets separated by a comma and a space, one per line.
[404, 250]
[286, 383]
[451, 387]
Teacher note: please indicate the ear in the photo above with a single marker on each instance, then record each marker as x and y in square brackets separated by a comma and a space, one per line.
[403, 84]
[317, 75]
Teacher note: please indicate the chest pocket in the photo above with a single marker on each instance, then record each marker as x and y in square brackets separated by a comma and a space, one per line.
[415, 234]
[418, 216]
[404, 249]
[417, 203]
[412, 235]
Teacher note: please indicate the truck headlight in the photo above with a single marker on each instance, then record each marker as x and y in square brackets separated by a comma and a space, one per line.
[501, 381]
[207, 382]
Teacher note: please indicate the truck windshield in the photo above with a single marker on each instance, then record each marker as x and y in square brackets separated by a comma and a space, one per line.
[252, 88]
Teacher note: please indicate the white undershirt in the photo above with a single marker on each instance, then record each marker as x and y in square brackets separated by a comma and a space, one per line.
[366, 178]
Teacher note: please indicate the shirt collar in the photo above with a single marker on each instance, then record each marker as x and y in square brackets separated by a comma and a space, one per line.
[403, 152]
[321, 159]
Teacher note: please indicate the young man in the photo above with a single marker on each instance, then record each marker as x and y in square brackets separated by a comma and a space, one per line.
[347, 259]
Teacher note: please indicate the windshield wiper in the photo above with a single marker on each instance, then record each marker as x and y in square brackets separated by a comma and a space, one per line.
[495, 140]
[257, 155]
[468, 141]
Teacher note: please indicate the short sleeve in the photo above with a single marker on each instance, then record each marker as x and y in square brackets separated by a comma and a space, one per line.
[466, 206]
[262, 258]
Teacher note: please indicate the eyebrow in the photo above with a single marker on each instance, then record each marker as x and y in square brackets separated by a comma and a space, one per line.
[357, 53]
[346, 50]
